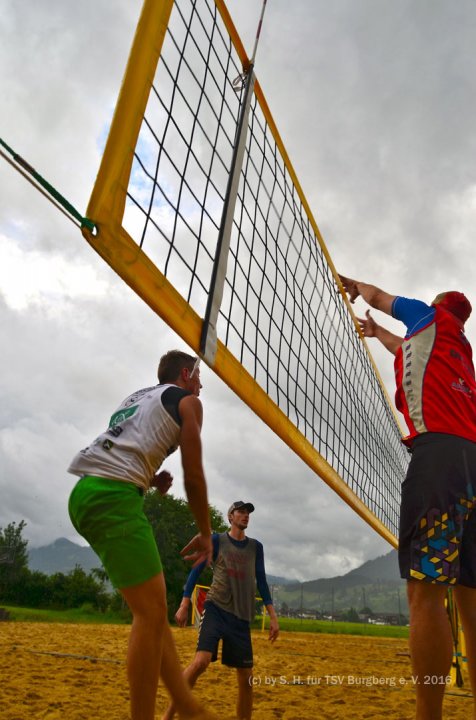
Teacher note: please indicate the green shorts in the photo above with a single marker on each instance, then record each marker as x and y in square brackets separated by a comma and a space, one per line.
[109, 514]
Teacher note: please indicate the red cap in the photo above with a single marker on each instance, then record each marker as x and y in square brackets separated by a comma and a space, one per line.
[456, 303]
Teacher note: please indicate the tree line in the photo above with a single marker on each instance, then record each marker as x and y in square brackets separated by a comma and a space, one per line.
[173, 526]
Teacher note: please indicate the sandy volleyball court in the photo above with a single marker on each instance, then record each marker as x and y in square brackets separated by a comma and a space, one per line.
[302, 677]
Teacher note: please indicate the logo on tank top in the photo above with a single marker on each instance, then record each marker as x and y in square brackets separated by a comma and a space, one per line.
[461, 386]
[122, 415]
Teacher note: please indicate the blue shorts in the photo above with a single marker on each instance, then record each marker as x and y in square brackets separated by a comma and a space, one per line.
[438, 519]
[217, 624]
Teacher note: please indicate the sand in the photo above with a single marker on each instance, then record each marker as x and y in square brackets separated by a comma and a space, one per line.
[77, 672]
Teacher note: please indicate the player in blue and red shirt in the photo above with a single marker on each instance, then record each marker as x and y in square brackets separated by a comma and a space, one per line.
[436, 392]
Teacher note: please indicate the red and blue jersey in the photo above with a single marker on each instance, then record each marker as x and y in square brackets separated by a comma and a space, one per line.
[434, 372]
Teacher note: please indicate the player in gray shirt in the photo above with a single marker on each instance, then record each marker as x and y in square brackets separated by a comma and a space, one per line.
[238, 567]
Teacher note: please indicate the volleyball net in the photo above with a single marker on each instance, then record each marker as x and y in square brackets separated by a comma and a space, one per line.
[198, 208]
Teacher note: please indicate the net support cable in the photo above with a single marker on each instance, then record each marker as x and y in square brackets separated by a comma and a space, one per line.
[45, 188]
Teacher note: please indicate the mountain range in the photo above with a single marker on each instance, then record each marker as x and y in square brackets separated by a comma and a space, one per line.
[62, 555]
[376, 584]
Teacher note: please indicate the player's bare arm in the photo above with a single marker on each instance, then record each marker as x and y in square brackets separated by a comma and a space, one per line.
[191, 413]
[372, 329]
[373, 296]
[273, 623]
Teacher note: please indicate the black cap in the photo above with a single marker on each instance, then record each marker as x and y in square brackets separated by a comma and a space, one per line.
[240, 504]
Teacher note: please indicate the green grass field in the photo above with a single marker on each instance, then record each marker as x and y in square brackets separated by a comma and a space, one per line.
[338, 628]
[86, 614]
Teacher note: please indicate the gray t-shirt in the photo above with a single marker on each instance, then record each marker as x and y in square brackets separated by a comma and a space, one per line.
[234, 578]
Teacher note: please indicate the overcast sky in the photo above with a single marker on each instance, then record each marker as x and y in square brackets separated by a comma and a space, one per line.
[375, 102]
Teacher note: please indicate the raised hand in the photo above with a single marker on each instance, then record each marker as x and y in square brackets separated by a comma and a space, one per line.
[350, 286]
[162, 481]
[368, 325]
[198, 550]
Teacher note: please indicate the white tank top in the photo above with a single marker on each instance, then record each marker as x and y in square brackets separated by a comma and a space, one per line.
[141, 434]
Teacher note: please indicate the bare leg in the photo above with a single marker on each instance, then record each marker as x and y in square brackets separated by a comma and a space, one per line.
[466, 603]
[244, 706]
[190, 675]
[431, 646]
[151, 643]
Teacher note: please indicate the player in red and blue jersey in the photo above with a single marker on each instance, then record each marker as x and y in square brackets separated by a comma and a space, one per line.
[436, 392]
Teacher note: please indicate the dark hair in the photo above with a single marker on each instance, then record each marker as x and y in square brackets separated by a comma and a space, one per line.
[172, 363]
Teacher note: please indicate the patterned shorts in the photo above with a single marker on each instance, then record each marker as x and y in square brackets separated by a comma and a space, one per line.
[437, 538]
